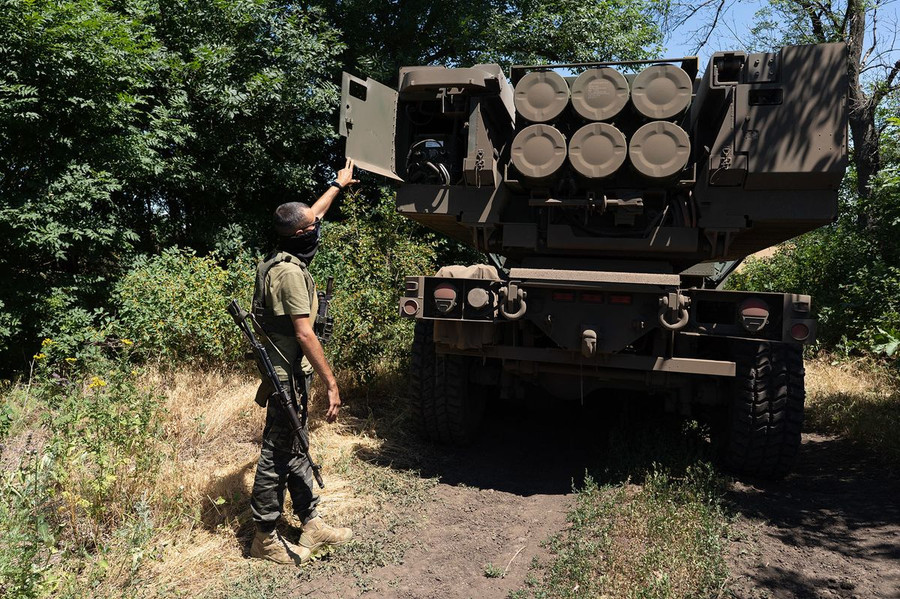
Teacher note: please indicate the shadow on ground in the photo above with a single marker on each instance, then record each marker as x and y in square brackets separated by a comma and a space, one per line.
[549, 450]
[830, 529]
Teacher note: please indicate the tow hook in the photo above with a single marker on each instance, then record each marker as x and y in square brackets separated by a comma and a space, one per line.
[673, 311]
[512, 301]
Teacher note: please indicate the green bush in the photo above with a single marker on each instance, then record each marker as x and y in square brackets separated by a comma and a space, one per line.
[172, 306]
[82, 480]
[369, 253]
[851, 270]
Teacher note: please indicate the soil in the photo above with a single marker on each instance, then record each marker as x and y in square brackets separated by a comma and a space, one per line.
[829, 530]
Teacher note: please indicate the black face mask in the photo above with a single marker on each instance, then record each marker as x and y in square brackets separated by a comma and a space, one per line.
[304, 246]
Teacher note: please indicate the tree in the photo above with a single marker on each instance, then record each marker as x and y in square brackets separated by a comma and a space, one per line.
[382, 36]
[131, 125]
[128, 126]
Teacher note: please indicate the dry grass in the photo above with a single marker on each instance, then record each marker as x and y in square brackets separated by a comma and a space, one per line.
[212, 438]
[180, 524]
[858, 399]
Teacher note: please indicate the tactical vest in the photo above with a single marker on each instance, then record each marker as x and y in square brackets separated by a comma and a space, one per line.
[282, 325]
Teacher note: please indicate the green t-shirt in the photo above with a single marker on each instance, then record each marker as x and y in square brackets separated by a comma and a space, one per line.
[290, 291]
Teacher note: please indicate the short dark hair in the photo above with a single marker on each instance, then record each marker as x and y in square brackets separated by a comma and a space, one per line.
[289, 216]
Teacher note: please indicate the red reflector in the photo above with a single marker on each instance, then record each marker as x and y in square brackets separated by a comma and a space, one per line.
[754, 308]
[593, 298]
[620, 299]
[563, 296]
[410, 307]
[800, 331]
[445, 291]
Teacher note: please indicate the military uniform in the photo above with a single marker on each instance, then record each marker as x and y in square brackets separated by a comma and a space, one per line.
[284, 288]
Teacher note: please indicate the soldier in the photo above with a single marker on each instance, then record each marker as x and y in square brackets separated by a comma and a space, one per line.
[285, 303]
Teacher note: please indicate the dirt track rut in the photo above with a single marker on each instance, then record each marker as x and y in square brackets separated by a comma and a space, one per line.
[830, 530]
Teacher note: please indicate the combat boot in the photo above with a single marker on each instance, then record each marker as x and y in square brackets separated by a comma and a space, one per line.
[316, 534]
[273, 547]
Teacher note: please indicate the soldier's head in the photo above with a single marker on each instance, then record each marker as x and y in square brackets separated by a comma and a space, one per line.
[293, 218]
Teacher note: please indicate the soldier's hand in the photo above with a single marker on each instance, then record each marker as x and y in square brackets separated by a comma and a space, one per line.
[334, 403]
[345, 175]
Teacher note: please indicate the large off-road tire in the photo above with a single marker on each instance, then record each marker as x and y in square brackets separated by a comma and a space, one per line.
[448, 407]
[763, 423]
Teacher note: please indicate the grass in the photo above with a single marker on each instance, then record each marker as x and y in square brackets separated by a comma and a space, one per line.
[649, 529]
[184, 526]
[665, 538]
[107, 521]
[492, 571]
[857, 399]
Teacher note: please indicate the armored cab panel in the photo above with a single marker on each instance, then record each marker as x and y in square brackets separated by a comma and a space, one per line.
[795, 136]
[374, 107]
[580, 162]
[775, 174]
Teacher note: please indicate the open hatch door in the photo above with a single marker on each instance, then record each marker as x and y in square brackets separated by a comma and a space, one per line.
[369, 122]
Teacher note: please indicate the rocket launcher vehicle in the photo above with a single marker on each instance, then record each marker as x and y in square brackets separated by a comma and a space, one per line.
[627, 162]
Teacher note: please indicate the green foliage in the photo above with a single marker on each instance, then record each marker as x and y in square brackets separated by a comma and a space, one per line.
[130, 126]
[382, 36]
[68, 129]
[172, 306]
[852, 271]
[73, 337]
[369, 254]
[102, 429]
[82, 481]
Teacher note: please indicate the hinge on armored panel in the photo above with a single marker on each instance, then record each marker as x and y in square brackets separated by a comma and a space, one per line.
[479, 166]
[728, 165]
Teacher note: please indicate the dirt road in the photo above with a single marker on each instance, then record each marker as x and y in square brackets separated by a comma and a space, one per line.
[830, 530]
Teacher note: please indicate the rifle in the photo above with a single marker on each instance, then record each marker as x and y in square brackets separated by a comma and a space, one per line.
[265, 366]
[324, 323]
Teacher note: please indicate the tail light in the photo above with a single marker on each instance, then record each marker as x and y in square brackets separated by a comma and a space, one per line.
[800, 332]
[754, 314]
[410, 307]
[445, 297]
[621, 299]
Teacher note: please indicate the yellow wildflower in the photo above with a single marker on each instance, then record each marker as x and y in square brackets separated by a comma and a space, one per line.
[96, 382]
[46, 342]
[40, 356]
[127, 342]
[71, 360]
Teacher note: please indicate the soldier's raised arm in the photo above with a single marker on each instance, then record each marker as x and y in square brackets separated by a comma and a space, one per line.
[343, 180]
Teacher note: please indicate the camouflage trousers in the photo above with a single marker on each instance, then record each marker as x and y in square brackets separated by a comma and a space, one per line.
[282, 465]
